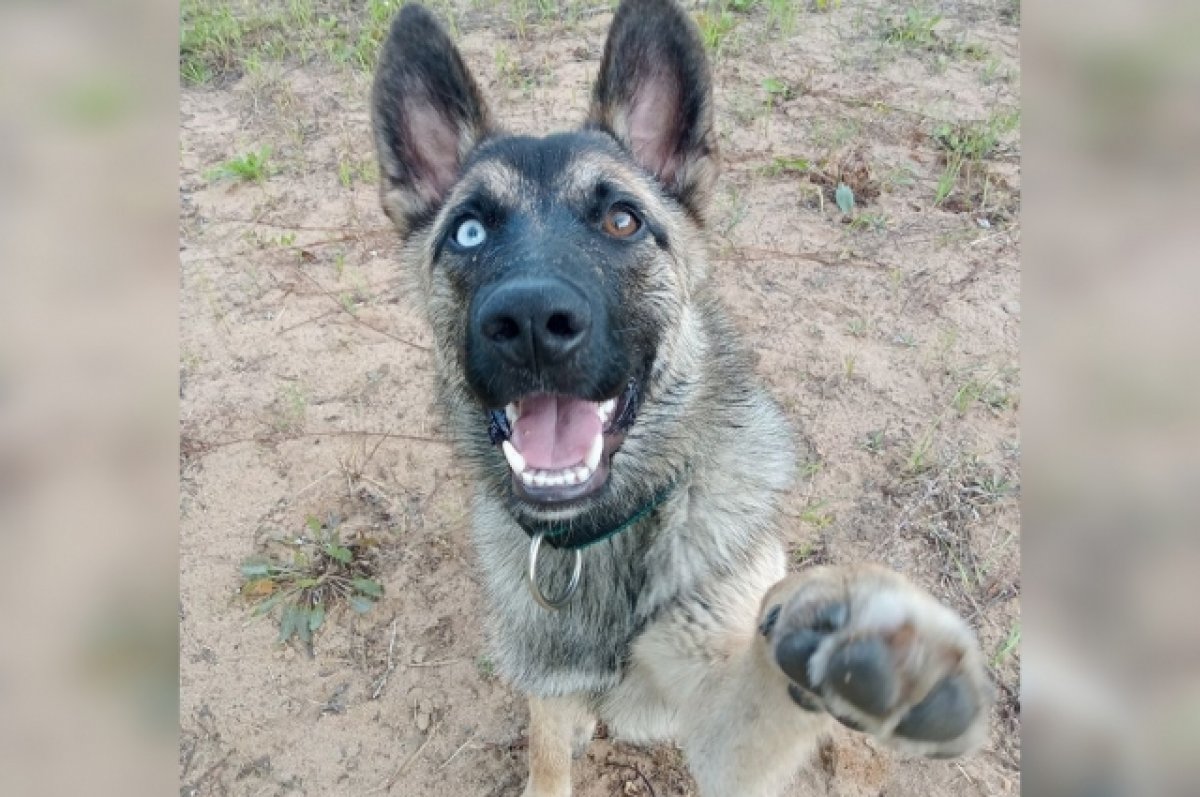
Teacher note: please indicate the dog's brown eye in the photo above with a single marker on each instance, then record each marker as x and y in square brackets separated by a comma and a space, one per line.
[619, 222]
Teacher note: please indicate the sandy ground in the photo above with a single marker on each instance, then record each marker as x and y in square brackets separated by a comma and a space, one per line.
[892, 341]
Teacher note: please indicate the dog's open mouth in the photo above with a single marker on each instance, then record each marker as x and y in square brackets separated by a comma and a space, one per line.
[558, 446]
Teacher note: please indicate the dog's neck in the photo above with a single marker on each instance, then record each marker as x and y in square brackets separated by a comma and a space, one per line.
[577, 534]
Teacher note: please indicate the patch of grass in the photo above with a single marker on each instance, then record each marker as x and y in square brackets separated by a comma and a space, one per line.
[869, 222]
[976, 140]
[486, 667]
[902, 175]
[786, 165]
[289, 410]
[947, 180]
[967, 395]
[1008, 646]
[374, 30]
[993, 485]
[919, 456]
[966, 144]
[353, 170]
[209, 40]
[777, 90]
[252, 167]
[874, 441]
[781, 14]
[308, 577]
[736, 211]
[914, 29]
[995, 72]
[814, 513]
[974, 51]
[508, 69]
[715, 28]
[811, 553]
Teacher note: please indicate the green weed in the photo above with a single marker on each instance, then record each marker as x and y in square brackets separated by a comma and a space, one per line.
[815, 514]
[1008, 646]
[777, 90]
[782, 15]
[209, 39]
[914, 30]
[918, 457]
[783, 165]
[976, 140]
[715, 27]
[966, 144]
[251, 167]
[308, 577]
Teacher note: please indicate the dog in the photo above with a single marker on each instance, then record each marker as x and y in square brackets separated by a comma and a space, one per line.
[627, 464]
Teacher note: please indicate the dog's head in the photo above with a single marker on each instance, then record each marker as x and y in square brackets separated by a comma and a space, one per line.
[559, 271]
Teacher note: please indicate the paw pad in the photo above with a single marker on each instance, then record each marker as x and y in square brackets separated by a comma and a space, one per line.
[795, 649]
[944, 714]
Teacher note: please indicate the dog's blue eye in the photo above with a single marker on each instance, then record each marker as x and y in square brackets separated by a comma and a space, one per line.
[470, 233]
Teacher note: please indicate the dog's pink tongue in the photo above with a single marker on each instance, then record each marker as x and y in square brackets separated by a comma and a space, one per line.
[555, 432]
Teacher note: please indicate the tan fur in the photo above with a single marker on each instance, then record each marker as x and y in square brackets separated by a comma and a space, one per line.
[554, 726]
[714, 688]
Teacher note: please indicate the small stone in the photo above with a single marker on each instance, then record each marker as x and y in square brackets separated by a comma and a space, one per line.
[1012, 307]
[419, 655]
[423, 721]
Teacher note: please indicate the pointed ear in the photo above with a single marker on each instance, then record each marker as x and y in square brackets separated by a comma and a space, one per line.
[427, 115]
[654, 94]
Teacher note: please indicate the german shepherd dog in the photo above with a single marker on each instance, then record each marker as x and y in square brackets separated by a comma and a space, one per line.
[627, 464]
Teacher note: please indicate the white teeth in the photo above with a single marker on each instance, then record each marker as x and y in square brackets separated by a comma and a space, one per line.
[527, 477]
[582, 474]
[512, 413]
[593, 458]
[515, 460]
[568, 476]
[605, 410]
[555, 480]
[541, 478]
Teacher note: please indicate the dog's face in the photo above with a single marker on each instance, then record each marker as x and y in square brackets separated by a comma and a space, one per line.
[556, 270]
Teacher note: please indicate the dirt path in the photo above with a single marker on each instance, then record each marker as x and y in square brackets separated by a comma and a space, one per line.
[890, 335]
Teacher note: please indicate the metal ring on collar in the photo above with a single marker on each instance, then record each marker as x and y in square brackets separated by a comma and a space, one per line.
[535, 546]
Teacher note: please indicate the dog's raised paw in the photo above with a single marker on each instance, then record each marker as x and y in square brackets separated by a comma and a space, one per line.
[881, 656]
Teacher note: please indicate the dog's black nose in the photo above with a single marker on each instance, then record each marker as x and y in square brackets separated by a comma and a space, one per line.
[534, 323]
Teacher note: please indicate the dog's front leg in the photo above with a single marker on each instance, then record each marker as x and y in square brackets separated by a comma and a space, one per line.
[860, 644]
[558, 727]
